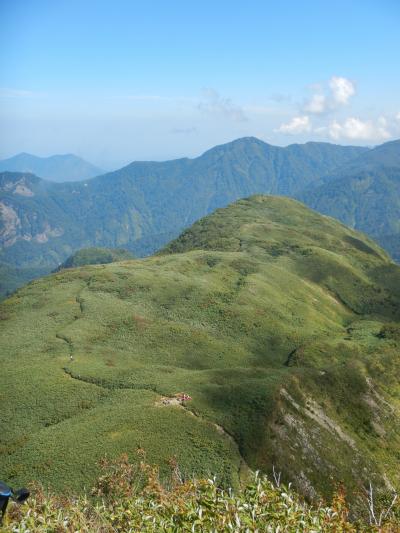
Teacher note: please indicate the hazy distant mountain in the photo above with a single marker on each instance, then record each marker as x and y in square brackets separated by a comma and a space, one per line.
[365, 195]
[145, 204]
[58, 168]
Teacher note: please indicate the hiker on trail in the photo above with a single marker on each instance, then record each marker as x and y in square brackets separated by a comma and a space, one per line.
[6, 493]
[70, 357]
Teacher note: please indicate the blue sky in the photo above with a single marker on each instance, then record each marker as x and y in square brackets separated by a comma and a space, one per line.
[115, 81]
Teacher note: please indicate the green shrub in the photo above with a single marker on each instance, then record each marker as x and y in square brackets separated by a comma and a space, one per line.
[132, 498]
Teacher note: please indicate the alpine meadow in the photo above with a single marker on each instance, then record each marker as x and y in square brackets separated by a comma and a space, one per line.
[281, 325]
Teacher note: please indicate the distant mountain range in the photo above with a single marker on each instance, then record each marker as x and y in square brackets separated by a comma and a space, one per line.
[143, 205]
[57, 168]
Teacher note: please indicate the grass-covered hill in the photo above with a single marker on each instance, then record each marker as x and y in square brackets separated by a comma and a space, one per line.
[282, 325]
[95, 256]
[68, 167]
[145, 204]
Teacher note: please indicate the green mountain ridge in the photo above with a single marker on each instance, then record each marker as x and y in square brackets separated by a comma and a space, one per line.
[144, 205]
[281, 324]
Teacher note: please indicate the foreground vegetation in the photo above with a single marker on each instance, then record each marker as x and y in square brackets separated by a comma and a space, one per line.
[280, 324]
[128, 498]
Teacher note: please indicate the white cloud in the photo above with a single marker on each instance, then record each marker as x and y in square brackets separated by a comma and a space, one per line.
[351, 128]
[316, 104]
[355, 128]
[342, 89]
[213, 103]
[327, 99]
[297, 125]
[336, 93]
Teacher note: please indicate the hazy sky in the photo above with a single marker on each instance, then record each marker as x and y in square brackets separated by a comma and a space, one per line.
[118, 80]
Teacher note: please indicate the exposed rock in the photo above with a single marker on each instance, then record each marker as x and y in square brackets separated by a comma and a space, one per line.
[23, 190]
[316, 413]
[11, 225]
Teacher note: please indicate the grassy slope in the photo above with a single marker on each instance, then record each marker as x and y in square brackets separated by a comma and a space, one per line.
[280, 323]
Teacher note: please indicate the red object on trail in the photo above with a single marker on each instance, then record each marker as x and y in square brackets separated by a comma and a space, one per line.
[183, 397]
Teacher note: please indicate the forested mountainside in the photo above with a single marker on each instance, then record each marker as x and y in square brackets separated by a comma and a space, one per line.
[365, 194]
